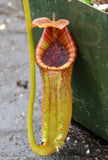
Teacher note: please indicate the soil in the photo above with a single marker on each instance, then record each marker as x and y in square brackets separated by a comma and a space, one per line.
[103, 1]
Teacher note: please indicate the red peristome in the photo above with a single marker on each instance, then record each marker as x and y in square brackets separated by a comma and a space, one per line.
[50, 36]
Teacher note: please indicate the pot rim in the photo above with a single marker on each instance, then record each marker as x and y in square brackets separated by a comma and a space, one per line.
[93, 7]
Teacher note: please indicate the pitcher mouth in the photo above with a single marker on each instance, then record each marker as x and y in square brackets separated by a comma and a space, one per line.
[48, 37]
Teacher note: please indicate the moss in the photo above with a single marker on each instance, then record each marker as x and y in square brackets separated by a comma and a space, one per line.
[87, 1]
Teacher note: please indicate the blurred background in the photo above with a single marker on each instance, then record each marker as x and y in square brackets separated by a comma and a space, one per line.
[80, 143]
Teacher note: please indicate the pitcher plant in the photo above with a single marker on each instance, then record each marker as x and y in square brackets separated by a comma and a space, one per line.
[55, 54]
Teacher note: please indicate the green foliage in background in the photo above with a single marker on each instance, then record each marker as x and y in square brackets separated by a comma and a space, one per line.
[87, 1]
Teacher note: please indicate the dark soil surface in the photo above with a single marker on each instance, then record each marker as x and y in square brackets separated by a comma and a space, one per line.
[80, 143]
